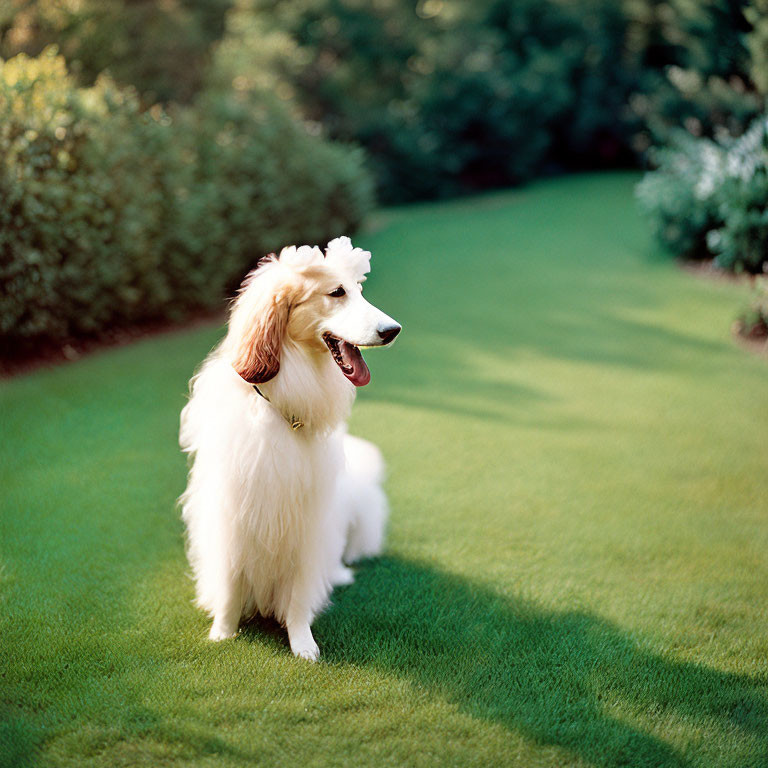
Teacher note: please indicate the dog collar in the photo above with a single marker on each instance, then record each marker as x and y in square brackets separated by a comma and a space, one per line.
[294, 422]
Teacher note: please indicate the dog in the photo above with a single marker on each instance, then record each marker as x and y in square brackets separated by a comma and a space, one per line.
[279, 499]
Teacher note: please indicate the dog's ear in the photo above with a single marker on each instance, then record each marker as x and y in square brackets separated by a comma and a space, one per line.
[257, 356]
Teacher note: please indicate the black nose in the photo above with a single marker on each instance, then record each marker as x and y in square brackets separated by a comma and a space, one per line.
[388, 334]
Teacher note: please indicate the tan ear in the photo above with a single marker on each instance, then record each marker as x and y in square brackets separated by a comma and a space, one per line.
[257, 354]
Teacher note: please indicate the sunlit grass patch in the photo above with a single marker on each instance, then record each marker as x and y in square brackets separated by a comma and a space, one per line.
[576, 571]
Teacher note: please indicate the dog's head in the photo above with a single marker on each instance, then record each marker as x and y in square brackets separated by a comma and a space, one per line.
[314, 300]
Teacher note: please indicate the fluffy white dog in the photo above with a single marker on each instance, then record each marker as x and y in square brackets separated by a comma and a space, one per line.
[279, 497]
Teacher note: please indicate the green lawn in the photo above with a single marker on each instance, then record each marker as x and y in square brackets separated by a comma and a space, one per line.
[577, 567]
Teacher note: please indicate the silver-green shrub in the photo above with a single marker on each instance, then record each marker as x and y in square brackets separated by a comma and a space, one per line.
[709, 198]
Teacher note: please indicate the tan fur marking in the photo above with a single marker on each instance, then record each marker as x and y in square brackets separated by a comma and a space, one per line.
[257, 358]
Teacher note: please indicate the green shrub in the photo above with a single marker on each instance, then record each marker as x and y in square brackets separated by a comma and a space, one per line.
[691, 67]
[448, 97]
[114, 215]
[757, 42]
[710, 198]
[741, 243]
[752, 323]
[87, 182]
[261, 181]
[161, 48]
[268, 178]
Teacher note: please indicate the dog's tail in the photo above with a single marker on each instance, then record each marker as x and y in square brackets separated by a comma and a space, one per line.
[364, 498]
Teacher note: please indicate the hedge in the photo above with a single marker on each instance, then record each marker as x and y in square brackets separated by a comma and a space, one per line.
[114, 214]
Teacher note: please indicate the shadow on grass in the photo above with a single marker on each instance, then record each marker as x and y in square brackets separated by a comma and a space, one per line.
[560, 678]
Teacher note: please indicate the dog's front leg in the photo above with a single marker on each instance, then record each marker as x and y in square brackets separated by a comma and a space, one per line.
[297, 621]
[303, 644]
[228, 609]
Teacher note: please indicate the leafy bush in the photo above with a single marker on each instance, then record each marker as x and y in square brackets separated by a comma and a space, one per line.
[114, 215]
[710, 198]
[449, 97]
[741, 243]
[87, 183]
[692, 68]
[757, 42]
[160, 48]
[260, 181]
[678, 196]
[753, 322]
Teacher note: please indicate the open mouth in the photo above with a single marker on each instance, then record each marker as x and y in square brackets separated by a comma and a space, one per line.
[347, 356]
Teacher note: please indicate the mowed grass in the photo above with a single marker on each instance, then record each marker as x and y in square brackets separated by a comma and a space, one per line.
[577, 567]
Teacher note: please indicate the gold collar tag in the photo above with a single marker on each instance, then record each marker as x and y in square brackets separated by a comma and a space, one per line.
[294, 422]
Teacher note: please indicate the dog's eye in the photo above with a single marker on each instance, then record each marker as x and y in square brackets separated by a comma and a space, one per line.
[338, 293]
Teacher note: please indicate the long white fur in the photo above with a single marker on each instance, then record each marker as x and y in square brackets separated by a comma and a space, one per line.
[272, 513]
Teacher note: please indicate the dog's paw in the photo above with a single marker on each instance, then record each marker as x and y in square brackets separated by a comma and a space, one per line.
[307, 651]
[302, 643]
[218, 633]
[342, 576]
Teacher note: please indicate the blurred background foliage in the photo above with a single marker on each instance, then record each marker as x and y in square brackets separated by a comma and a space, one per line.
[707, 198]
[152, 151]
[454, 96]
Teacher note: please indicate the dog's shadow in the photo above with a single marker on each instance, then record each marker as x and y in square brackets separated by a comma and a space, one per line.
[561, 678]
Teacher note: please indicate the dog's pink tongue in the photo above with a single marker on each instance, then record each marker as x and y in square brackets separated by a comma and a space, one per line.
[350, 354]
